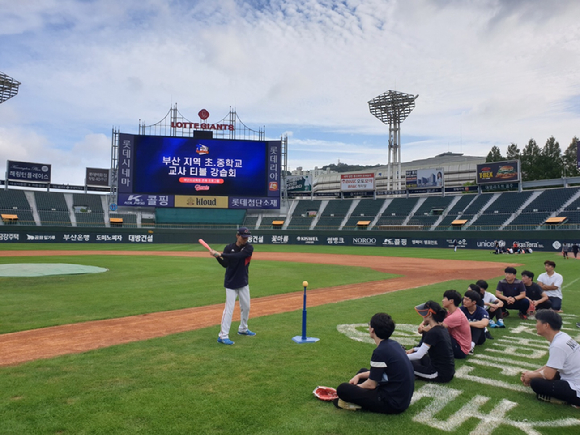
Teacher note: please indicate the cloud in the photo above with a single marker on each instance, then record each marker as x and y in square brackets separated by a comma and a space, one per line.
[489, 72]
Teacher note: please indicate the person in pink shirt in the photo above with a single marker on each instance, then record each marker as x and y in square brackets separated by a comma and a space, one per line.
[457, 324]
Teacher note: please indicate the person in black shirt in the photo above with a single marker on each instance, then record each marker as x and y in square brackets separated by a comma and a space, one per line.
[536, 295]
[388, 386]
[236, 259]
[512, 293]
[433, 360]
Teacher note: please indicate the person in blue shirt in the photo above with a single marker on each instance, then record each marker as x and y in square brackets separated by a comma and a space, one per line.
[477, 316]
[236, 259]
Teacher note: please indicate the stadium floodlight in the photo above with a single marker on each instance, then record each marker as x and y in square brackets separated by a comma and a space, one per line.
[392, 108]
[8, 87]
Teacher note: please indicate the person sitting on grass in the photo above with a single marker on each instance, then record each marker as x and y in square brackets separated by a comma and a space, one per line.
[456, 323]
[551, 282]
[492, 304]
[512, 293]
[559, 379]
[477, 317]
[433, 359]
[538, 298]
[388, 386]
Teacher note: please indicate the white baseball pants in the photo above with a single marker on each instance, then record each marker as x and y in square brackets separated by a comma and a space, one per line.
[243, 294]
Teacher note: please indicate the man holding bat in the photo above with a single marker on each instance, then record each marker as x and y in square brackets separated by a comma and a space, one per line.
[236, 259]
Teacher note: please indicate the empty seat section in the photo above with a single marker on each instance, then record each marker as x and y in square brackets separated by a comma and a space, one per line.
[90, 219]
[54, 218]
[572, 215]
[366, 210]
[250, 221]
[574, 205]
[455, 210]
[129, 219]
[508, 202]
[397, 211]
[267, 221]
[90, 202]
[306, 210]
[490, 221]
[550, 200]
[425, 221]
[53, 201]
[15, 202]
[501, 210]
[428, 212]
[475, 207]
[333, 214]
[530, 218]
[52, 208]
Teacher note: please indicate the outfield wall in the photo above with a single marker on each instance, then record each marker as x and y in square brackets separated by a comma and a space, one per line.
[549, 240]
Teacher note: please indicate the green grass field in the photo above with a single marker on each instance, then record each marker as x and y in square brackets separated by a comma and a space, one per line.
[187, 383]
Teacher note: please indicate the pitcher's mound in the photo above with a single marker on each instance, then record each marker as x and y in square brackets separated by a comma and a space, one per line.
[44, 269]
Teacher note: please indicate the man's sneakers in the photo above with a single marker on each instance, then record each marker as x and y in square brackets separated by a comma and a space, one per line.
[506, 313]
[341, 404]
[550, 399]
[498, 324]
[248, 333]
[229, 342]
[523, 316]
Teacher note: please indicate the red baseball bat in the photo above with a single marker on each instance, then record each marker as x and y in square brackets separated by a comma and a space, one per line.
[205, 245]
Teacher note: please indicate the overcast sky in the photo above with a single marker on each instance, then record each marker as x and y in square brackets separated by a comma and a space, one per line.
[488, 72]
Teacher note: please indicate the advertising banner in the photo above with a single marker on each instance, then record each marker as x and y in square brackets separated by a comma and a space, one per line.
[424, 178]
[498, 172]
[97, 177]
[28, 171]
[298, 183]
[357, 182]
[201, 201]
[533, 241]
[137, 200]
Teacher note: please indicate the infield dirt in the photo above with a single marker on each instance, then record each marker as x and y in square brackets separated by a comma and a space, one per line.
[19, 347]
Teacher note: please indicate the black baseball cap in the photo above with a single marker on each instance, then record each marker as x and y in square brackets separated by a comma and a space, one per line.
[244, 232]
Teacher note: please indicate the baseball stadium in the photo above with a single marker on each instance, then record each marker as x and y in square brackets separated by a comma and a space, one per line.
[111, 308]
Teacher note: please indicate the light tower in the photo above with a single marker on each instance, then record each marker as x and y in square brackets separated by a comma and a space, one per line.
[8, 87]
[392, 108]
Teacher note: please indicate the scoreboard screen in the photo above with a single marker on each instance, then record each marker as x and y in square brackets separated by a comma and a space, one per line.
[165, 171]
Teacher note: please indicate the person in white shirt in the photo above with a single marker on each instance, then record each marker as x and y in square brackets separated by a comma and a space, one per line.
[559, 379]
[492, 304]
[551, 282]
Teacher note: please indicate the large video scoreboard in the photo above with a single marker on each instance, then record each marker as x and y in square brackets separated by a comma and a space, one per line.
[161, 171]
